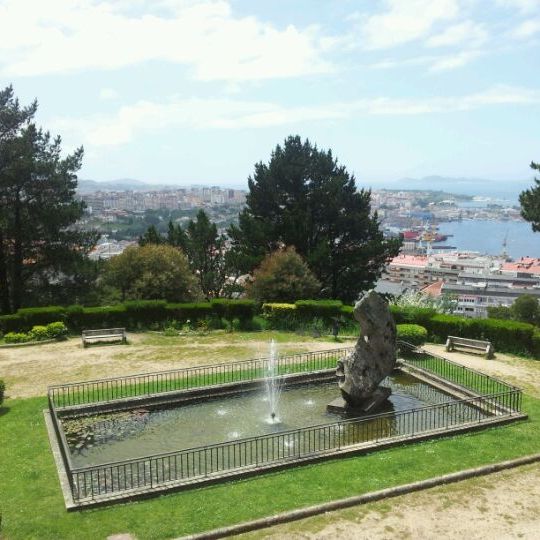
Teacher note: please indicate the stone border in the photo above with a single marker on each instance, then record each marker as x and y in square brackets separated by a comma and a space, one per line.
[302, 513]
[358, 449]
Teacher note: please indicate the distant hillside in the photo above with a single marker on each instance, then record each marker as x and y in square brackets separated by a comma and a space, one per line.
[87, 186]
[467, 186]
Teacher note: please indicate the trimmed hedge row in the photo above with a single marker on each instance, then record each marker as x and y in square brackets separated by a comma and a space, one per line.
[508, 336]
[130, 314]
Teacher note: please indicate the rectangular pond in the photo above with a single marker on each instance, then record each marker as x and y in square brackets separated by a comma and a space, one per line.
[133, 434]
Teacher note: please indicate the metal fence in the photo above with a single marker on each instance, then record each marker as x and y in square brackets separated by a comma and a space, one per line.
[148, 384]
[467, 378]
[492, 400]
[188, 466]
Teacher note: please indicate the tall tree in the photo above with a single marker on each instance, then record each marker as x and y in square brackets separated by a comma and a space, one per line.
[304, 198]
[205, 249]
[530, 201]
[151, 236]
[38, 209]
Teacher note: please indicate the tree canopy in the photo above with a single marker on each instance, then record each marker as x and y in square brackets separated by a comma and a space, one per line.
[304, 198]
[38, 240]
[152, 272]
[530, 201]
[283, 276]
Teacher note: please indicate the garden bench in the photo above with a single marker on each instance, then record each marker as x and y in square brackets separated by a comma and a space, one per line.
[104, 333]
[475, 344]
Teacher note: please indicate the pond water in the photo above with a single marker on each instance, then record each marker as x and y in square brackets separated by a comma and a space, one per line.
[141, 432]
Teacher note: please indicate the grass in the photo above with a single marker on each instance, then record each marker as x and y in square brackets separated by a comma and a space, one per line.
[32, 506]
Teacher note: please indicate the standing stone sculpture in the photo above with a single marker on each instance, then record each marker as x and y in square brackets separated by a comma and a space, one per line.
[374, 357]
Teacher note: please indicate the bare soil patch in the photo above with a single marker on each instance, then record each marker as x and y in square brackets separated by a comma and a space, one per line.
[28, 371]
[500, 506]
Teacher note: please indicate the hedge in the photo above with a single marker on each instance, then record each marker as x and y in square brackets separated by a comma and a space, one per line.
[322, 309]
[412, 333]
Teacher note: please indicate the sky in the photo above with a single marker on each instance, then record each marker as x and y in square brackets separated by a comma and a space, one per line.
[189, 91]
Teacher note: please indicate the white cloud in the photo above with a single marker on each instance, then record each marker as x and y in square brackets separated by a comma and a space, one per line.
[405, 21]
[526, 29]
[523, 6]
[146, 116]
[465, 33]
[446, 63]
[68, 35]
[108, 93]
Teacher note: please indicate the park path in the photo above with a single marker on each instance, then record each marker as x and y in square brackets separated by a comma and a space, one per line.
[28, 371]
[500, 506]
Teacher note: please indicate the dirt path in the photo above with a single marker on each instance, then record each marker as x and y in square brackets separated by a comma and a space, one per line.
[27, 371]
[497, 507]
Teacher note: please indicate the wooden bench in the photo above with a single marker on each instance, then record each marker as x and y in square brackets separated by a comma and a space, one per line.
[117, 334]
[475, 344]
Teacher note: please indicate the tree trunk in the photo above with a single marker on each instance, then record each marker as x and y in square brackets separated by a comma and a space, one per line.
[17, 281]
[5, 306]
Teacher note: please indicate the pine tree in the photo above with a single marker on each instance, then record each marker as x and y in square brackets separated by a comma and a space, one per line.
[304, 198]
[530, 202]
[38, 209]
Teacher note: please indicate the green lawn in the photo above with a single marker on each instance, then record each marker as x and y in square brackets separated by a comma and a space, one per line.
[31, 503]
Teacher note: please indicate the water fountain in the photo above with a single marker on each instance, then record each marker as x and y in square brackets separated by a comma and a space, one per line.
[273, 384]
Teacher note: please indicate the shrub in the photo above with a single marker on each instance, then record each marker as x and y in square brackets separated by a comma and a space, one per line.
[11, 323]
[243, 310]
[2, 391]
[38, 333]
[41, 315]
[281, 277]
[536, 344]
[412, 333]
[323, 309]
[412, 314]
[145, 312]
[16, 337]
[56, 330]
[190, 311]
[103, 317]
[280, 316]
[526, 309]
[75, 317]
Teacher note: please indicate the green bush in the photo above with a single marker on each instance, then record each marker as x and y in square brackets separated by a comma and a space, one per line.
[104, 317]
[536, 344]
[11, 323]
[16, 337]
[142, 313]
[308, 310]
[280, 316]
[38, 333]
[412, 333]
[412, 314]
[2, 391]
[243, 310]
[41, 316]
[190, 311]
[75, 317]
[56, 330]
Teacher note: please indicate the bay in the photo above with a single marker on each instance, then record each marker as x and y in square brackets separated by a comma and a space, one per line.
[488, 237]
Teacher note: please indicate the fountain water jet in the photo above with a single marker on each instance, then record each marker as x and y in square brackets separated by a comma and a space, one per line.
[273, 383]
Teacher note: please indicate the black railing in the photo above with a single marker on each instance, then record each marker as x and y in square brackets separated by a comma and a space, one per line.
[490, 400]
[196, 464]
[147, 384]
[467, 378]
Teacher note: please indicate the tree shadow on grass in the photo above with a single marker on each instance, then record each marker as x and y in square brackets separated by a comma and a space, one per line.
[4, 410]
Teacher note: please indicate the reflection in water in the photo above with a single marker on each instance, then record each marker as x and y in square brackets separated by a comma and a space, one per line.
[125, 435]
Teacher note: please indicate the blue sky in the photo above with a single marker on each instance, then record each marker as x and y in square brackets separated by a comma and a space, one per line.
[198, 91]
